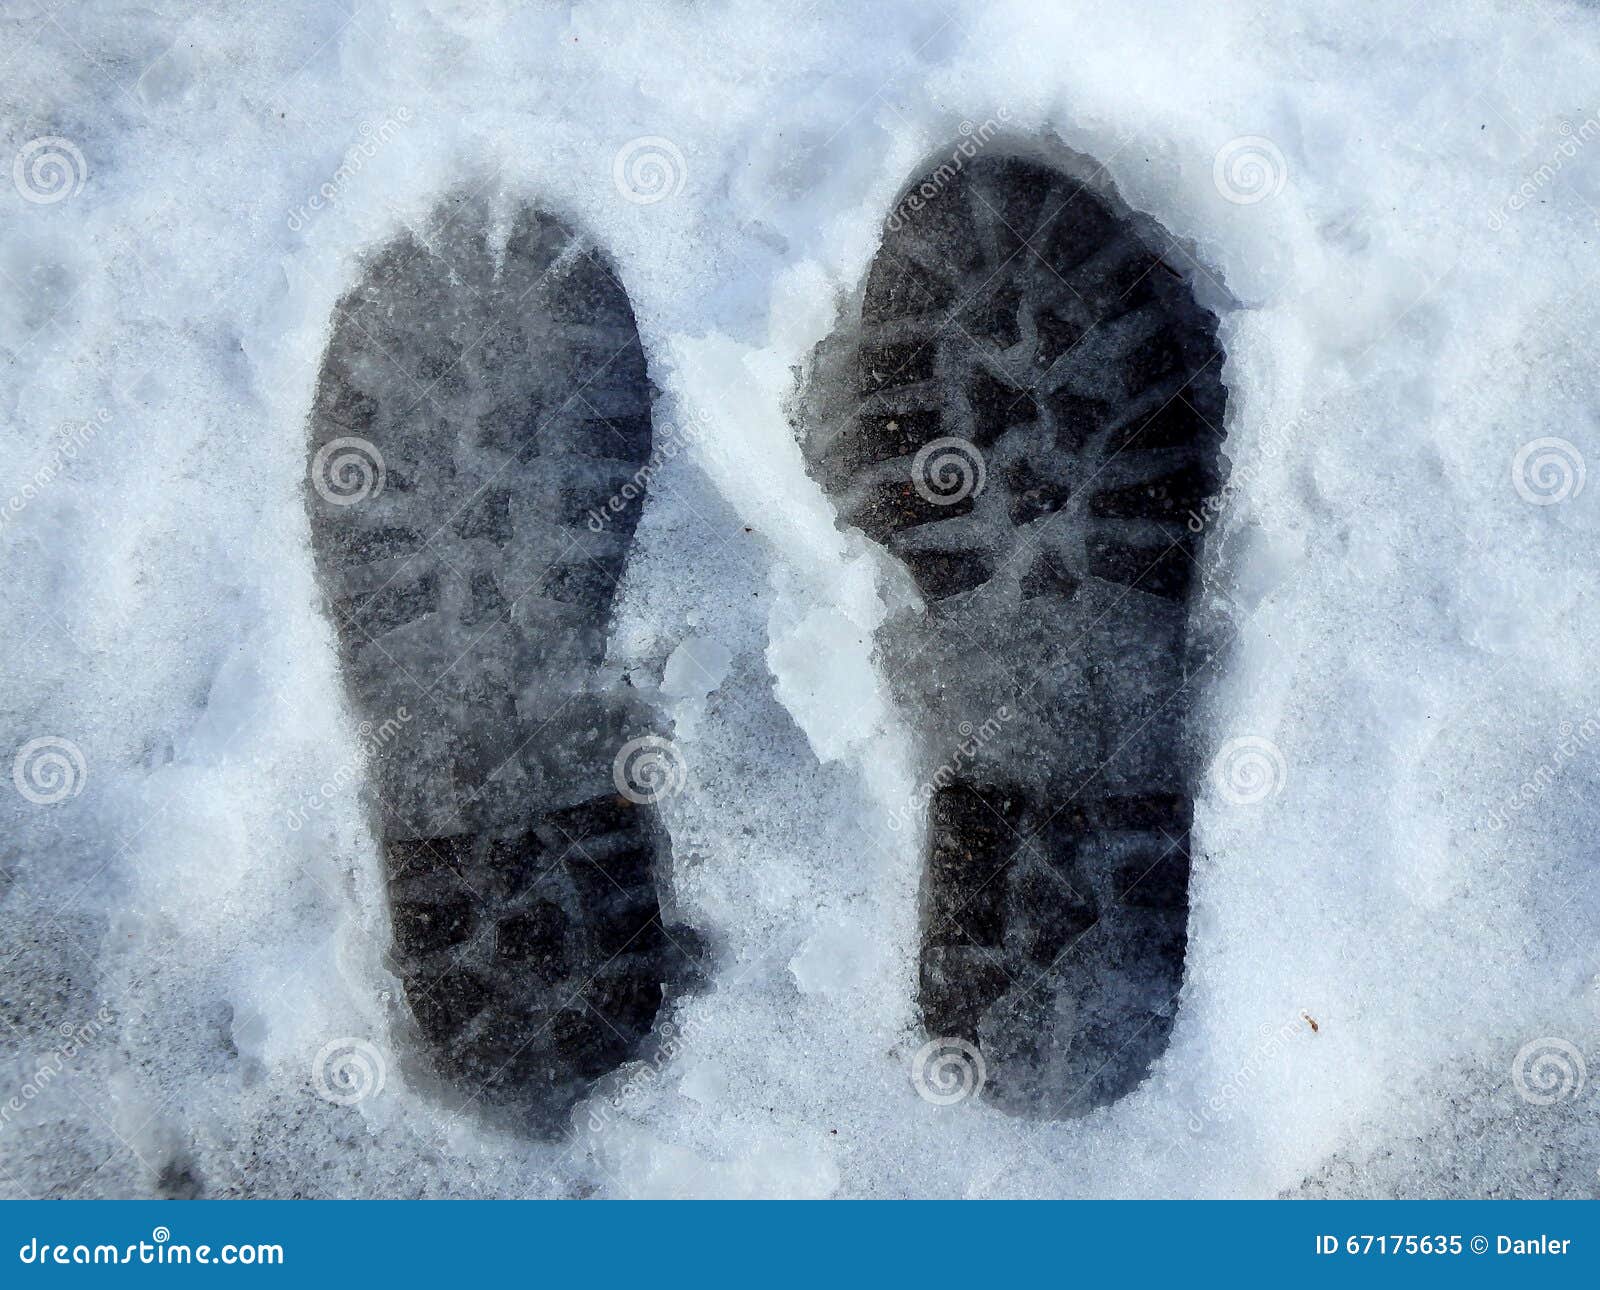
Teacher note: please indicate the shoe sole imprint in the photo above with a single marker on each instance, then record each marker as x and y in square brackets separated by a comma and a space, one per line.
[477, 406]
[1025, 418]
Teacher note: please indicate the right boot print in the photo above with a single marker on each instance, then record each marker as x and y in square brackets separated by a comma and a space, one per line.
[1026, 416]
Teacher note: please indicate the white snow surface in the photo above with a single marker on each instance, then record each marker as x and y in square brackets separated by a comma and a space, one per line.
[1410, 302]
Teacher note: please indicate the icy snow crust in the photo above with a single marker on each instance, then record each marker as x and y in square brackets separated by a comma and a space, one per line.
[196, 931]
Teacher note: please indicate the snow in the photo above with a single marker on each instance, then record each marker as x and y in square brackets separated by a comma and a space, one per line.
[1403, 601]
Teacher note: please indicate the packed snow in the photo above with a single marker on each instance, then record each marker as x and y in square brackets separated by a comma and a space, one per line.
[1393, 978]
